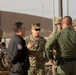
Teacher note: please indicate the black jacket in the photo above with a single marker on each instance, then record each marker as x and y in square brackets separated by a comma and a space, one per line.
[17, 51]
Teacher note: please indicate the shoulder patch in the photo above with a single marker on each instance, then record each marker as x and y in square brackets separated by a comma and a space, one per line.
[19, 46]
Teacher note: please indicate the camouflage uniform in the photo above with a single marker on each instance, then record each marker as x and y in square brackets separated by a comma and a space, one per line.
[57, 22]
[74, 24]
[36, 55]
[3, 57]
[1, 51]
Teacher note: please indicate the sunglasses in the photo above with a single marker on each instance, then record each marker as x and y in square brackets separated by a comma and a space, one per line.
[37, 29]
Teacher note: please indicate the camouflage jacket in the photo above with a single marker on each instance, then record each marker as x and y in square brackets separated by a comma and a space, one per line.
[2, 51]
[2, 57]
[37, 52]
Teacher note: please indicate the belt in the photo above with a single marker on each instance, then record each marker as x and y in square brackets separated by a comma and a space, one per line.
[63, 60]
[69, 59]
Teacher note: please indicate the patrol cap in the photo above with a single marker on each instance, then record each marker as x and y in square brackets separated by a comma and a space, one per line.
[74, 22]
[36, 26]
[58, 20]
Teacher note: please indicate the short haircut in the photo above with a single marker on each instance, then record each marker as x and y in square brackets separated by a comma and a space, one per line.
[17, 26]
[67, 20]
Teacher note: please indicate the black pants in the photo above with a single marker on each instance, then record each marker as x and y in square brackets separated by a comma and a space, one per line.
[25, 73]
[16, 73]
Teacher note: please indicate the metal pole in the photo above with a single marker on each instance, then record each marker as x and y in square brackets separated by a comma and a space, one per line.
[43, 14]
[60, 6]
[0, 19]
[53, 14]
[67, 7]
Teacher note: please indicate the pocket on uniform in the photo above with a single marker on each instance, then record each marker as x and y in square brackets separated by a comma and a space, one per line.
[17, 67]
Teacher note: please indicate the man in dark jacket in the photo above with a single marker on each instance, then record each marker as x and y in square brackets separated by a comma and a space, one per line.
[18, 52]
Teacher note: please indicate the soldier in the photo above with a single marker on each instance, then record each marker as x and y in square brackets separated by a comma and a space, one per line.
[58, 29]
[1, 50]
[66, 48]
[58, 26]
[74, 24]
[18, 52]
[37, 52]
[4, 67]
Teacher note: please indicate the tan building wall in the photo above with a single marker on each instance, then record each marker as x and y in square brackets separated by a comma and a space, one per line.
[7, 20]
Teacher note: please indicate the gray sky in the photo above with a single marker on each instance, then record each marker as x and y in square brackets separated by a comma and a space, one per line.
[37, 7]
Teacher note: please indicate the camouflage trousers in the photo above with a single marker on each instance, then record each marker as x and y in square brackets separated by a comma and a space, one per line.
[1, 67]
[34, 70]
[4, 73]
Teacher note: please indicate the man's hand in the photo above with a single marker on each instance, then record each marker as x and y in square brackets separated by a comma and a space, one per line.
[52, 61]
[30, 45]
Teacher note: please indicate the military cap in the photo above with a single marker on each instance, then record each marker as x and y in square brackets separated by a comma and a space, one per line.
[36, 26]
[58, 20]
[74, 22]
